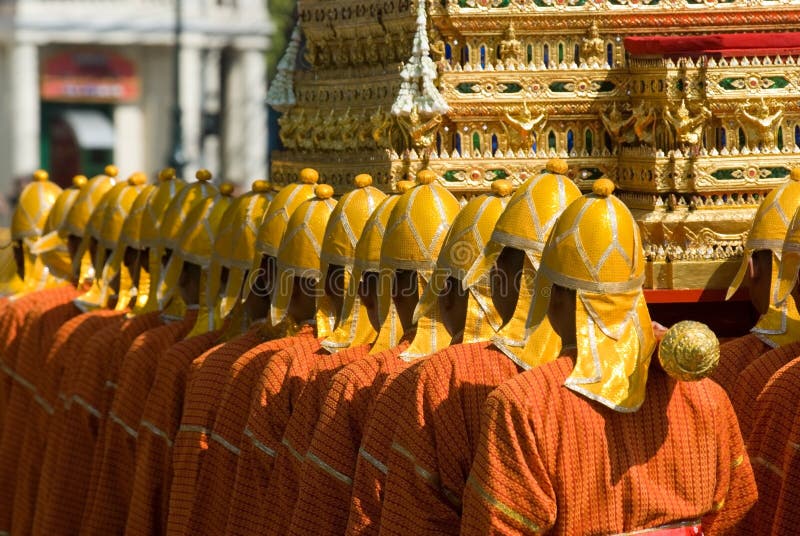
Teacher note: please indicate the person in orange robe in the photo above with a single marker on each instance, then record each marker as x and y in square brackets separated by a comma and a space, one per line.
[209, 373]
[115, 453]
[752, 379]
[58, 249]
[27, 344]
[463, 244]
[26, 289]
[256, 460]
[438, 416]
[295, 300]
[68, 457]
[209, 223]
[778, 324]
[288, 374]
[771, 449]
[594, 438]
[431, 335]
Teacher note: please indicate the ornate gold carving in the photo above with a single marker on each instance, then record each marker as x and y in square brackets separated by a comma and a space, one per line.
[760, 124]
[522, 127]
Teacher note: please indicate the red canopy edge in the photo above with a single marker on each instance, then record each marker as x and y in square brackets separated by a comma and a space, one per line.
[718, 45]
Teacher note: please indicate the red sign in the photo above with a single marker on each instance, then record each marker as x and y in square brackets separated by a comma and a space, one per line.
[89, 76]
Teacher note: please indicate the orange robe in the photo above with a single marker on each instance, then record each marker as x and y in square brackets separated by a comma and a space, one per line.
[199, 410]
[550, 460]
[734, 356]
[67, 344]
[12, 319]
[286, 473]
[787, 512]
[752, 380]
[436, 434]
[366, 500]
[70, 454]
[161, 417]
[333, 451]
[115, 453]
[217, 474]
[35, 340]
[769, 444]
[274, 392]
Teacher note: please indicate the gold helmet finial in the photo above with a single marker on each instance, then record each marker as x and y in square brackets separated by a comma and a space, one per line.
[79, 181]
[603, 187]
[362, 180]
[557, 165]
[426, 176]
[309, 176]
[323, 191]
[111, 170]
[203, 175]
[502, 188]
[40, 175]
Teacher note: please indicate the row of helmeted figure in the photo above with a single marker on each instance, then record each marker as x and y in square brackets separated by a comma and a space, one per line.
[180, 360]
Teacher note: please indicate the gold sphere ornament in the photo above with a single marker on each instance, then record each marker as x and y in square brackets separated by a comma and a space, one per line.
[40, 175]
[404, 186]
[203, 175]
[79, 181]
[689, 351]
[166, 174]
[111, 171]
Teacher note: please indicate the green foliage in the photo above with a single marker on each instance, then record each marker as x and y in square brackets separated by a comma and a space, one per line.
[282, 13]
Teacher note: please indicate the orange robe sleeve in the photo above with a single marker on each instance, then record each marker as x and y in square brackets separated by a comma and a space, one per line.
[198, 413]
[66, 470]
[319, 367]
[436, 437]
[115, 454]
[367, 497]
[767, 445]
[753, 378]
[218, 472]
[550, 460]
[734, 357]
[161, 416]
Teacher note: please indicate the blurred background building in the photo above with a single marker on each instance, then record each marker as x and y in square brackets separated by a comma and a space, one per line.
[87, 82]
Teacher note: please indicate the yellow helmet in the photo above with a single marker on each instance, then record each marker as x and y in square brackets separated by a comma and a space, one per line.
[415, 233]
[235, 248]
[281, 209]
[367, 258]
[468, 236]
[87, 201]
[149, 237]
[595, 249]
[51, 248]
[344, 229]
[769, 232]
[299, 256]
[33, 207]
[525, 225]
[136, 283]
[105, 226]
[181, 204]
[27, 225]
[195, 244]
